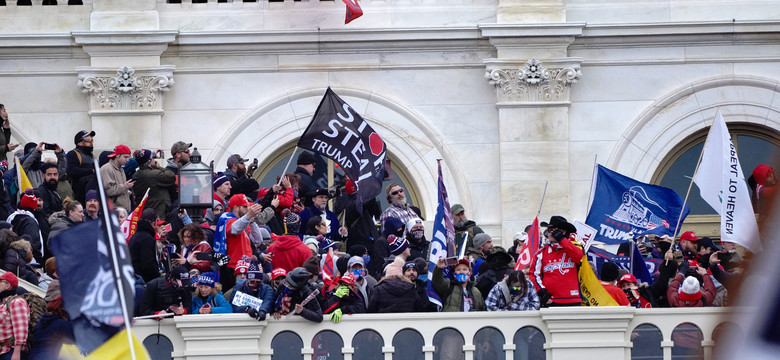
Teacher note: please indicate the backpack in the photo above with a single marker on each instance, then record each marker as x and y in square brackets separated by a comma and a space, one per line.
[37, 308]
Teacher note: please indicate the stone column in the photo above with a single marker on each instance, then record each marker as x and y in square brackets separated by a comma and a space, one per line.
[602, 328]
[125, 81]
[533, 76]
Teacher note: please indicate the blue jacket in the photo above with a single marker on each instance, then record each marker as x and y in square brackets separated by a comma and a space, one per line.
[217, 302]
[311, 212]
[264, 292]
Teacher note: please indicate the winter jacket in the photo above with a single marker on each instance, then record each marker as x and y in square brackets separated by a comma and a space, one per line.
[45, 229]
[202, 265]
[80, 170]
[708, 293]
[306, 187]
[158, 181]
[616, 293]
[159, 295]
[469, 227]
[352, 303]
[418, 249]
[218, 304]
[114, 179]
[501, 299]
[288, 251]
[143, 251]
[312, 211]
[51, 333]
[5, 139]
[59, 222]
[14, 261]
[24, 222]
[394, 294]
[263, 292]
[52, 201]
[32, 166]
[311, 311]
[362, 228]
[451, 293]
[554, 269]
[488, 279]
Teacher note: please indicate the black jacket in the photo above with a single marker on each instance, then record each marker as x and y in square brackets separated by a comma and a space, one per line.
[143, 252]
[52, 202]
[311, 311]
[26, 225]
[394, 294]
[306, 186]
[362, 228]
[80, 170]
[160, 295]
[351, 303]
[14, 261]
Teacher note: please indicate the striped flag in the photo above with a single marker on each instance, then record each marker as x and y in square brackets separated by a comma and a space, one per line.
[530, 247]
[131, 223]
[443, 243]
[722, 185]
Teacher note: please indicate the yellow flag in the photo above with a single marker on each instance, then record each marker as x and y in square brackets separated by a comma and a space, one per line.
[591, 289]
[117, 348]
[24, 182]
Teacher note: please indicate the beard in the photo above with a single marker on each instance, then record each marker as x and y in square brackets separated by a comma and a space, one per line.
[320, 207]
[241, 171]
[399, 202]
[459, 223]
[52, 184]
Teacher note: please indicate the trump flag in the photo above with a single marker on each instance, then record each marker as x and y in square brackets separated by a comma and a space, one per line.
[622, 206]
[338, 132]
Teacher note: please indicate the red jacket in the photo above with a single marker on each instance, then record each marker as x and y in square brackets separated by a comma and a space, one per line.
[237, 245]
[673, 293]
[617, 294]
[288, 252]
[555, 268]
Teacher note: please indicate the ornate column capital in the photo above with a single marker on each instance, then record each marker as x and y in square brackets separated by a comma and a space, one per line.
[125, 91]
[533, 83]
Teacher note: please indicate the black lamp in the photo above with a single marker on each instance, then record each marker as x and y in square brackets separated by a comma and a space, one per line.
[195, 187]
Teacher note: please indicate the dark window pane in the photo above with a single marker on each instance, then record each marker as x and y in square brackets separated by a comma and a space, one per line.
[754, 151]
[646, 343]
[407, 345]
[489, 344]
[449, 345]
[368, 345]
[687, 342]
[159, 347]
[529, 344]
[679, 175]
[327, 345]
[287, 346]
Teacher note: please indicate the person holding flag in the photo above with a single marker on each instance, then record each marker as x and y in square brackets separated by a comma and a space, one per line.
[554, 268]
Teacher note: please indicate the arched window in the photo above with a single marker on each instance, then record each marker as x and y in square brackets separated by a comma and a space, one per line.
[646, 343]
[287, 345]
[755, 145]
[274, 166]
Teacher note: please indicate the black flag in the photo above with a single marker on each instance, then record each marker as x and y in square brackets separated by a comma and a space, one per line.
[339, 133]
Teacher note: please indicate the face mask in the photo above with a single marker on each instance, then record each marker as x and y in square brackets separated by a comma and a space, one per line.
[286, 290]
[240, 281]
[423, 277]
[253, 285]
[359, 273]
[366, 259]
[462, 278]
[515, 290]
[418, 234]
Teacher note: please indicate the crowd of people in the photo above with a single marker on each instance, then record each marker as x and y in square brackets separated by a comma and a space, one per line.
[282, 251]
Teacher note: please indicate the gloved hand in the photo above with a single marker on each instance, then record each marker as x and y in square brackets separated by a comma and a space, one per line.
[260, 315]
[336, 316]
[251, 311]
[683, 268]
[341, 291]
[544, 296]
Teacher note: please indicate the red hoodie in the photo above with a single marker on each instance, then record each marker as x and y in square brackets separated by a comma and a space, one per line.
[288, 251]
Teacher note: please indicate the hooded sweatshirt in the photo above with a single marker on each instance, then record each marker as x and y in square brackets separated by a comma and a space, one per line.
[288, 251]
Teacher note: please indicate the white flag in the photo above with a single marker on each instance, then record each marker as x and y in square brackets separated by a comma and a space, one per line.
[723, 186]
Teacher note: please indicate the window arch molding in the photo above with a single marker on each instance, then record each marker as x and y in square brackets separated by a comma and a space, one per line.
[266, 129]
[667, 124]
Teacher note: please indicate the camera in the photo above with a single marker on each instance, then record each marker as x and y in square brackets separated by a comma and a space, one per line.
[48, 146]
[558, 235]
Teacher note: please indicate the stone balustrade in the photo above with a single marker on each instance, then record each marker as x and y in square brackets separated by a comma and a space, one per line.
[552, 334]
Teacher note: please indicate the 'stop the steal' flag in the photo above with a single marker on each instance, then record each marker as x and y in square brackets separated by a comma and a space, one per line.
[722, 185]
[339, 133]
[622, 205]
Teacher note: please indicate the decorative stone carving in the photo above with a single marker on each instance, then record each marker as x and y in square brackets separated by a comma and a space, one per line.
[126, 91]
[533, 83]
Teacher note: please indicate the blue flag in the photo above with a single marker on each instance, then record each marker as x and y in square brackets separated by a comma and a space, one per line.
[622, 205]
[642, 268]
[443, 243]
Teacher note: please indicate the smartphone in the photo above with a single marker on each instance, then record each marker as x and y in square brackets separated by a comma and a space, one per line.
[725, 254]
[48, 146]
[204, 256]
[167, 228]
[451, 261]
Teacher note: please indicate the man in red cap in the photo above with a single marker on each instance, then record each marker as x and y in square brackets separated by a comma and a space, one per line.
[688, 242]
[114, 179]
[24, 223]
[15, 315]
[239, 232]
[630, 286]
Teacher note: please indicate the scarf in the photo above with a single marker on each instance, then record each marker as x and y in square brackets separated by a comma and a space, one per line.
[220, 236]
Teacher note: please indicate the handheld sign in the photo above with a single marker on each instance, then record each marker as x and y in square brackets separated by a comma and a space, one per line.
[243, 299]
[585, 234]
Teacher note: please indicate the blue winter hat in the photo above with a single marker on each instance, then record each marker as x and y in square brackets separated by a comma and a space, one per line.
[255, 271]
[397, 245]
[208, 279]
[391, 227]
[220, 180]
[326, 244]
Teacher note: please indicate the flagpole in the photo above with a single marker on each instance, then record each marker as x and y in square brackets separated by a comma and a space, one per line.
[690, 185]
[593, 180]
[112, 247]
[544, 192]
[288, 165]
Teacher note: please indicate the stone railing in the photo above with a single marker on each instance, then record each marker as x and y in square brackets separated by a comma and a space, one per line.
[553, 334]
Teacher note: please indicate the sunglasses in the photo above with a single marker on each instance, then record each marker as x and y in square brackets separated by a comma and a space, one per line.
[399, 191]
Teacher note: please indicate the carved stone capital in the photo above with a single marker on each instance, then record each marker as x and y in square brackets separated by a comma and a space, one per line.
[126, 90]
[533, 82]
